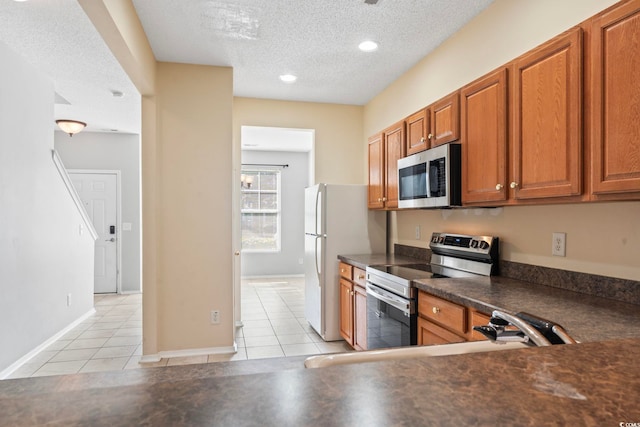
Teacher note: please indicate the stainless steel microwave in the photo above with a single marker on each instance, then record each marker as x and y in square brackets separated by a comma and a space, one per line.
[431, 178]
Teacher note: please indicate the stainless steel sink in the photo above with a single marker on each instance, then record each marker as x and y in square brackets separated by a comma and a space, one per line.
[411, 352]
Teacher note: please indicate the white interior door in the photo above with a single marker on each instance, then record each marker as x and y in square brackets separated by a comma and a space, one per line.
[98, 192]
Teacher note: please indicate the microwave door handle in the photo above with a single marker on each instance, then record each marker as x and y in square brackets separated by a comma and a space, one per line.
[428, 177]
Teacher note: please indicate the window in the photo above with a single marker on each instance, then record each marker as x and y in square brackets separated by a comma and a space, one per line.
[260, 210]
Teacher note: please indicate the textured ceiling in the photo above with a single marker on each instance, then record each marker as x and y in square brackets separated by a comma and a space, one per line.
[59, 39]
[313, 39]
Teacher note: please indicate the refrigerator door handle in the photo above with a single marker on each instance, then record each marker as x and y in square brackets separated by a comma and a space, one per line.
[318, 212]
[318, 272]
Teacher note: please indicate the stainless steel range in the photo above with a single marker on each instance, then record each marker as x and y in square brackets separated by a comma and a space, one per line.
[392, 299]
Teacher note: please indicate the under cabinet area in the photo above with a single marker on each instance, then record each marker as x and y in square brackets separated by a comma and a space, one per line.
[444, 322]
[353, 306]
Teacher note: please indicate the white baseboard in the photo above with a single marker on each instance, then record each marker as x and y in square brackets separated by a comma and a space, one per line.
[151, 358]
[129, 292]
[274, 276]
[24, 359]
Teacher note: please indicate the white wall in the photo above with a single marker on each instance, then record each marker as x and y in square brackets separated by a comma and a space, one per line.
[43, 257]
[294, 179]
[112, 151]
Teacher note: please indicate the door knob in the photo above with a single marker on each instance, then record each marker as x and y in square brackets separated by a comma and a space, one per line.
[113, 239]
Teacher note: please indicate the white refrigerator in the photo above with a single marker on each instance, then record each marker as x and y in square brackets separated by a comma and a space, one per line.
[337, 222]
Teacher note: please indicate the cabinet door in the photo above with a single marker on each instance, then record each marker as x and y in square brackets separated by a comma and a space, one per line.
[394, 145]
[346, 310]
[477, 319]
[547, 119]
[431, 334]
[615, 100]
[445, 120]
[484, 139]
[359, 318]
[418, 131]
[376, 172]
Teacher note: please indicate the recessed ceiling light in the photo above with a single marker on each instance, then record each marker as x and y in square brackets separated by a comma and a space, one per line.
[368, 46]
[288, 78]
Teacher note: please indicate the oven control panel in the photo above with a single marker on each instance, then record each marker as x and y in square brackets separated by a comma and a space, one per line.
[464, 244]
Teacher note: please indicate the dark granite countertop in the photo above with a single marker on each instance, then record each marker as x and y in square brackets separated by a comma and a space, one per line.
[594, 383]
[585, 317]
[589, 384]
[363, 260]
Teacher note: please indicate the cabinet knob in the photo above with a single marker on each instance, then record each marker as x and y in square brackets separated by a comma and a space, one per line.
[352, 293]
[430, 136]
[379, 199]
[513, 184]
[435, 310]
[342, 270]
[499, 186]
[361, 276]
[422, 139]
[384, 199]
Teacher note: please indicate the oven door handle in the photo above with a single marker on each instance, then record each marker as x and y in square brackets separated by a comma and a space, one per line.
[401, 305]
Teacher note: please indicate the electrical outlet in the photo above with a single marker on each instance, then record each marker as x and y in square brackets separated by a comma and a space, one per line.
[215, 317]
[558, 247]
[417, 232]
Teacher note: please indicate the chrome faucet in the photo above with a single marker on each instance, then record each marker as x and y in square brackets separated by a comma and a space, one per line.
[529, 328]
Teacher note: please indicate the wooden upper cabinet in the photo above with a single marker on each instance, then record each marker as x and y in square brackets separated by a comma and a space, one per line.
[547, 119]
[484, 116]
[376, 172]
[418, 131]
[615, 100]
[445, 120]
[394, 148]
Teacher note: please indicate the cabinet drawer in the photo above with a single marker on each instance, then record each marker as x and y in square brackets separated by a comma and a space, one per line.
[477, 319]
[447, 314]
[359, 277]
[346, 271]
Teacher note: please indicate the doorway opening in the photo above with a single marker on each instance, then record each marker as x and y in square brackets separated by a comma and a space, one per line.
[277, 165]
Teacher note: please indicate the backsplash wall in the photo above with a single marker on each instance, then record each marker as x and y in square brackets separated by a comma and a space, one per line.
[602, 238]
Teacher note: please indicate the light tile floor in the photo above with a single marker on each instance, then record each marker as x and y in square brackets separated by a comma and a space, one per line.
[111, 339]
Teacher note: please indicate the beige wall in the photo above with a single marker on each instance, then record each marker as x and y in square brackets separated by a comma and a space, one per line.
[194, 105]
[340, 156]
[503, 31]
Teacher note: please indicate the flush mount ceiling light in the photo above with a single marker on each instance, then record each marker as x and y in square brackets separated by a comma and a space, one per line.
[288, 78]
[368, 46]
[71, 126]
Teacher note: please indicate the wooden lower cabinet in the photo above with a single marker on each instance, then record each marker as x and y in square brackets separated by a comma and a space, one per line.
[444, 322]
[346, 310]
[360, 318]
[353, 306]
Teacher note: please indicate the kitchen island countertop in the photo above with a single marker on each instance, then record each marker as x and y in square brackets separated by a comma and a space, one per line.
[590, 384]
